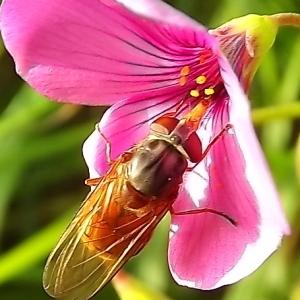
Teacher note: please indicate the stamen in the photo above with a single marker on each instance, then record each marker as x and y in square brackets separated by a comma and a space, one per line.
[209, 91]
[194, 93]
[185, 71]
[201, 79]
[202, 59]
[182, 81]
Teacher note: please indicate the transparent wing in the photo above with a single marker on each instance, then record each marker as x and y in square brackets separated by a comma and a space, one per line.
[90, 252]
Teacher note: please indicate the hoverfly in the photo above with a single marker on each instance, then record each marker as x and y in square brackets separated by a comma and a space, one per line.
[117, 218]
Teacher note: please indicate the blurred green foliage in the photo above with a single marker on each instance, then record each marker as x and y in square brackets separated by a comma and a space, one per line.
[42, 171]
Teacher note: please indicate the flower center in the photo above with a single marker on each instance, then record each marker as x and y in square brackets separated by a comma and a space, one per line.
[201, 78]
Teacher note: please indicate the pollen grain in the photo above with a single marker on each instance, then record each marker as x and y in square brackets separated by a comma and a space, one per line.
[209, 91]
[185, 71]
[182, 81]
[194, 93]
[201, 79]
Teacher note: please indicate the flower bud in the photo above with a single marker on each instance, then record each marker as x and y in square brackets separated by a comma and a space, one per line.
[244, 41]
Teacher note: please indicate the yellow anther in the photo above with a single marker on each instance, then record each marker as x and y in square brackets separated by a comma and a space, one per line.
[182, 81]
[209, 91]
[185, 71]
[194, 93]
[201, 79]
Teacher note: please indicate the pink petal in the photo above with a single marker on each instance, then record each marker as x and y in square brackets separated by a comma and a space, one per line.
[160, 11]
[97, 52]
[257, 169]
[206, 251]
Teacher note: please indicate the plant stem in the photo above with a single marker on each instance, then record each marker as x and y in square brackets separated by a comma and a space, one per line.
[286, 111]
[287, 19]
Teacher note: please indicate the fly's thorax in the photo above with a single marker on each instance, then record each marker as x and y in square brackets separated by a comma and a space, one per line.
[156, 168]
[180, 135]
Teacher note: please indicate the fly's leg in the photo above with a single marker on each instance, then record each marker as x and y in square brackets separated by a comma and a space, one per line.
[92, 181]
[95, 181]
[216, 138]
[203, 104]
[231, 220]
[212, 142]
[177, 108]
[107, 146]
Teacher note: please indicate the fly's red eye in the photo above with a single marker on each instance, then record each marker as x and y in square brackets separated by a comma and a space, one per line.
[193, 147]
[164, 125]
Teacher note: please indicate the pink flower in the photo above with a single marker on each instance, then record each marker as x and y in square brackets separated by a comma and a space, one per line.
[146, 57]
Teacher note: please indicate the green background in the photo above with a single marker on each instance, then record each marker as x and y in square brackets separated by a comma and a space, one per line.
[42, 171]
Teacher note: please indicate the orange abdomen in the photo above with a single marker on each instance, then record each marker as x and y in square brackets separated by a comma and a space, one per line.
[109, 228]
